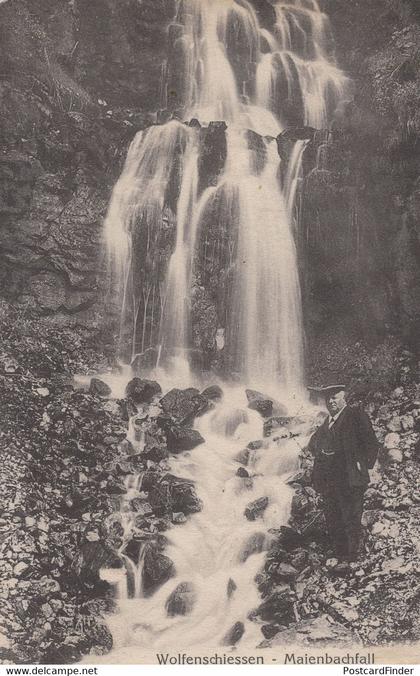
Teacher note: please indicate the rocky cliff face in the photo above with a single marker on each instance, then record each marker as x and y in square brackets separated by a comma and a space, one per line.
[360, 204]
[79, 79]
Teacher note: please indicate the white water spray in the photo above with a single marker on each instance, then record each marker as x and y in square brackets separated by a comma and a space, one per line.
[232, 70]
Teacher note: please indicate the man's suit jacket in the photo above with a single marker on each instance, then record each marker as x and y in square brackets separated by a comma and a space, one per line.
[344, 453]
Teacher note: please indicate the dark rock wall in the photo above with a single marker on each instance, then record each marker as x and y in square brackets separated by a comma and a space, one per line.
[360, 210]
[79, 78]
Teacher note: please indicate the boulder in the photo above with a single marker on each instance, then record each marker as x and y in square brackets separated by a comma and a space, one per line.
[155, 451]
[172, 494]
[145, 361]
[255, 445]
[142, 391]
[263, 406]
[284, 571]
[184, 405]
[99, 388]
[181, 600]
[140, 507]
[254, 397]
[243, 456]
[183, 496]
[255, 509]
[289, 538]
[234, 634]
[275, 423]
[157, 569]
[213, 393]
[242, 472]
[96, 555]
[181, 439]
[278, 607]
[270, 630]
[149, 479]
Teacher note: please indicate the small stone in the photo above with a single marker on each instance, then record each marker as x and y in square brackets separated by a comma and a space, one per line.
[255, 445]
[285, 571]
[43, 391]
[242, 472]
[231, 587]
[349, 614]
[181, 600]
[378, 528]
[392, 440]
[20, 568]
[92, 536]
[43, 525]
[394, 424]
[234, 634]
[30, 521]
[10, 366]
[407, 422]
[255, 509]
[178, 517]
[395, 455]
[331, 563]
[394, 565]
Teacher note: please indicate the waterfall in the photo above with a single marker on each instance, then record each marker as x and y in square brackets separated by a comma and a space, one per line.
[228, 68]
[226, 237]
[218, 552]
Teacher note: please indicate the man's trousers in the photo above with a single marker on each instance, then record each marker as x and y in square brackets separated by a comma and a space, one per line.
[343, 508]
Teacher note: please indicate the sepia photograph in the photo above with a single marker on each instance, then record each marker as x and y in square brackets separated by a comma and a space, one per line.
[209, 334]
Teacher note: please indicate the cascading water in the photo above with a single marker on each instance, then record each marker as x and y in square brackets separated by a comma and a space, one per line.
[218, 552]
[160, 232]
[231, 69]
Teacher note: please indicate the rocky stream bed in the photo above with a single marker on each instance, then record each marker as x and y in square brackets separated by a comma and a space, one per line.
[65, 458]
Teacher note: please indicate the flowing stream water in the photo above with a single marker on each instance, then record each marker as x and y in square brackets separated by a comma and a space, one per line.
[232, 69]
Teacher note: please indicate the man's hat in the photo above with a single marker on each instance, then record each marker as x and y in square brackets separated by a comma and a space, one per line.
[328, 389]
[325, 391]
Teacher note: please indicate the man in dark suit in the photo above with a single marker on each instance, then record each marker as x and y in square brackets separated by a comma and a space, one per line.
[345, 448]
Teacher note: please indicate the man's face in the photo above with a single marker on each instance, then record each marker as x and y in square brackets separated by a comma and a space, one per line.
[335, 402]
